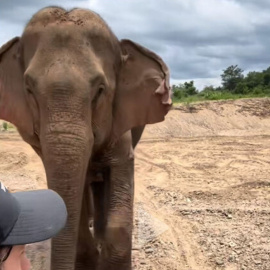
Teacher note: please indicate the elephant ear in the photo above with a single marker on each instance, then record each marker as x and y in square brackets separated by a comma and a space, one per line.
[13, 105]
[143, 94]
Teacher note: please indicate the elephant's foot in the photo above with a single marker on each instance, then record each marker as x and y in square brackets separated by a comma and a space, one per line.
[115, 266]
[87, 260]
[85, 266]
[115, 262]
[116, 250]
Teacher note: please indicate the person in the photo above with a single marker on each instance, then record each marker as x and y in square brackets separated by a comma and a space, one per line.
[27, 217]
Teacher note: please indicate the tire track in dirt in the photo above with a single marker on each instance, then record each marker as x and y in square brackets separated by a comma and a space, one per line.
[191, 211]
[182, 251]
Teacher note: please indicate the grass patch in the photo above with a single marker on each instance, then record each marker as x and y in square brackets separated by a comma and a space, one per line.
[7, 126]
[216, 95]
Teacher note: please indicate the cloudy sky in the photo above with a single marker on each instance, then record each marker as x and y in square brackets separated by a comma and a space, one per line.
[196, 38]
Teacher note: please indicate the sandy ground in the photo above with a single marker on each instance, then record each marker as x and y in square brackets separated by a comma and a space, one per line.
[202, 188]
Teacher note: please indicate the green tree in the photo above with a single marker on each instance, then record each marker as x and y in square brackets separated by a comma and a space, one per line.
[208, 88]
[184, 90]
[190, 88]
[231, 77]
[266, 77]
[178, 91]
[254, 79]
[241, 88]
[219, 88]
[258, 90]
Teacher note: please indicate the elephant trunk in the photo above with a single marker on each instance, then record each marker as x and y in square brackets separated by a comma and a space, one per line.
[66, 150]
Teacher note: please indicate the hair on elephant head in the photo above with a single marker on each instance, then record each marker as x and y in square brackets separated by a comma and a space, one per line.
[75, 93]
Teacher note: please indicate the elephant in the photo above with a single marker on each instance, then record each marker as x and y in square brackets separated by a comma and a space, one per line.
[80, 97]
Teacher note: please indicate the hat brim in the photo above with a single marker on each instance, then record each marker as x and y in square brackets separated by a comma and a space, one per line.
[43, 214]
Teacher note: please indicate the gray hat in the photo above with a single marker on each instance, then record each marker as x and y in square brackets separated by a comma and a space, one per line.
[30, 216]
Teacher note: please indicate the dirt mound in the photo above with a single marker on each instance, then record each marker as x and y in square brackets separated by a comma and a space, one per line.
[245, 117]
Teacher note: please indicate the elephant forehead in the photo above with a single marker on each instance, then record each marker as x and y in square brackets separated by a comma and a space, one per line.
[81, 27]
[77, 17]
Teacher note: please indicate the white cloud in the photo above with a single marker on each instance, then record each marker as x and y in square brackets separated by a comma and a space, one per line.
[196, 38]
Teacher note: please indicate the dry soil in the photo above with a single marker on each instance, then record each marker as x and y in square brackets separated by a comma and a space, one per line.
[202, 188]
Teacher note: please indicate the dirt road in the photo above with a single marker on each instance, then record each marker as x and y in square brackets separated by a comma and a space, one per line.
[202, 188]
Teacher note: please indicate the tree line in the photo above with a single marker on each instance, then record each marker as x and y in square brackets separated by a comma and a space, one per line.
[234, 85]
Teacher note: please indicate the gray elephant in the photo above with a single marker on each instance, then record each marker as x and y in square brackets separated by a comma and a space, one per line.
[81, 98]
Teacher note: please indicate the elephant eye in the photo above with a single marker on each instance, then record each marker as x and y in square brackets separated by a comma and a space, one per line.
[29, 84]
[29, 91]
[100, 91]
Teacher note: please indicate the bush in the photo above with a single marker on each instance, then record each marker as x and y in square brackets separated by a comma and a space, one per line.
[179, 94]
[241, 88]
[5, 126]
[260, 91]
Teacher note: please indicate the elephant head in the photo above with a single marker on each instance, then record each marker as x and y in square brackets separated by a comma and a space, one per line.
[72, 89]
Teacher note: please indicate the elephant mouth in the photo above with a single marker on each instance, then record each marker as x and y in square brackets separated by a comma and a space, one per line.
[95, 171]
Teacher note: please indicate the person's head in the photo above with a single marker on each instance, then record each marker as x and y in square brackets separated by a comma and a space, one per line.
[27, 217]
[14, 258]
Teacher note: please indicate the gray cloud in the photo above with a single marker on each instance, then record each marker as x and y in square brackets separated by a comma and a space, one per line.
[197, 39]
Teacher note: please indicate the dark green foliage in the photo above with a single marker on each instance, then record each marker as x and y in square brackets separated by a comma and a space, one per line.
[184, 90]
[5, 125]
[231, 77]
[234, 85]
[190, 88]
[254, 79]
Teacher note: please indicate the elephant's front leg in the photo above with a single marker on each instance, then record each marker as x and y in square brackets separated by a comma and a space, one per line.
[117, 245]
[87, 253]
